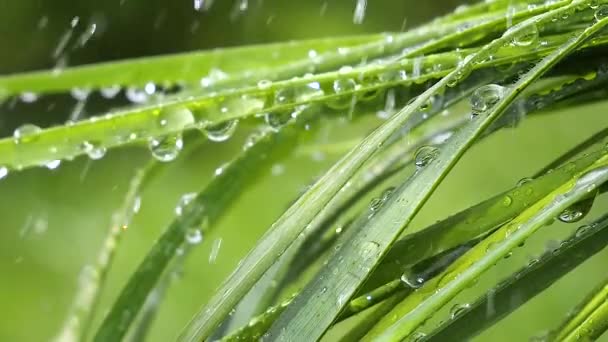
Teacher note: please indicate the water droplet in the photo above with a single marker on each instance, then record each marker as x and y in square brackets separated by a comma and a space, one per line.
[458, 310]
[507, 200]
[110, 92]
[577, 211]
[375, 204]
[222, 131]
[527, 36]
[411, 280]
[3, 172]
[53, 164]
[80, 94]
[524, 181]
[194, 236]
[343, 86]
[137, 95]
[418, 337]
[485, 97]
[582, 230]
[166, 148]
[462, 72]
[26, 133]
[601, 12]
[28, 97]
[184, 201]
[94, 150]
[425, 155]
[264, 84]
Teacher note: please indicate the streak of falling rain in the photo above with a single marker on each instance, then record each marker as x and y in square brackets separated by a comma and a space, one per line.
[85, 170]
[359, 14]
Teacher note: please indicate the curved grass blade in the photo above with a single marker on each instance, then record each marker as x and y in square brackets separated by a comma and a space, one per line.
[416, 309]
[368, 246]
[204, 210]
[293, 222]
[589, 321]
[526, 283]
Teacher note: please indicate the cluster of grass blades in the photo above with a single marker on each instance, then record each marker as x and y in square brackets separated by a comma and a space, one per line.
[442, 87]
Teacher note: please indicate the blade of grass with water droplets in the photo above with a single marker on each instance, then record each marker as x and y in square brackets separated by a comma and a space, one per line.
[186, 67]
[293, 222]
[589, 321]
[78, 323]
[202, 212]
[526, 283]
[332, 290]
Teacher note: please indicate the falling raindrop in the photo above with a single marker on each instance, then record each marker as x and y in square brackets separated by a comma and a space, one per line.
[26, 133]
[485, 97]
[166, 148]
[222, 131]
[359, 14]
[425, 155]
[184, 201]
[215, 250]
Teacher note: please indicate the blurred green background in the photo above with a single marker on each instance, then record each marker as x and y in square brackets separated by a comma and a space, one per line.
[53, 222]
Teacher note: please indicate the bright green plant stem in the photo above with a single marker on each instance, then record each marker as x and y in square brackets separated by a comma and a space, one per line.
[78, 323]
[589, 321]
[526, 283]
[416, 309]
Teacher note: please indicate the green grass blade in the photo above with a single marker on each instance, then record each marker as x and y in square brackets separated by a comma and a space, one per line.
[293, 222]
[204, 210]
[589, 321]
[330, 291]
[526, 283]
[187, 67]
[78, 323]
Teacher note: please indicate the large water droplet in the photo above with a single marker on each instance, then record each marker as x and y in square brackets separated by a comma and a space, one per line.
[577, 211]
[184, 201]
[94, 150]
[222, 131]
[527, 37]
[167, 147]
[412, 280]
[3, 172]
[485, 97]
[26, 133]
[194, 236]
[425, 155]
